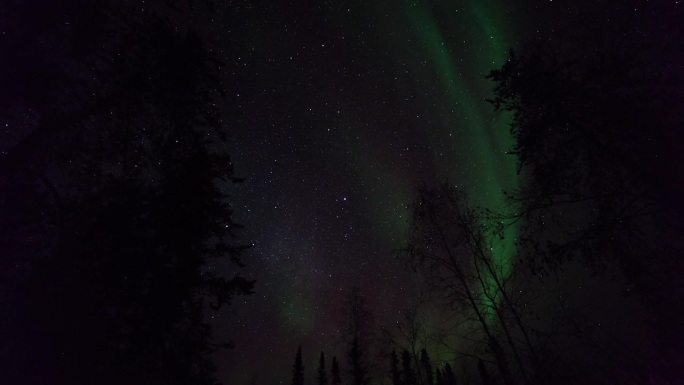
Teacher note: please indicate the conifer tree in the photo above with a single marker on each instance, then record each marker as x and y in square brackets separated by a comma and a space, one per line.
[357, 366]
[396, 374]
[298, 369]
[448, 377]
[427, 367]
[335, 372]
[357, 335]
[438, 377]
[112, 197]
[409, 377]
[483, 373]
[322, 376]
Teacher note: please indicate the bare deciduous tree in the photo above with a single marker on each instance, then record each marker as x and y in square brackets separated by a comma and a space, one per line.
[452, 245]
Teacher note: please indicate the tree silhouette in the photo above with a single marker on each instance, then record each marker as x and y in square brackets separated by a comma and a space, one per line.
[451, 244]
[448, 376]
[394, 369]
[439, 379]
[484, 375]
[357, 366]
[594, 124]
[298, 369]
[335, 372]
[412, 335]
[426, 365]
[114, 206]
[358, 336]
[322, 376]
[408, 374]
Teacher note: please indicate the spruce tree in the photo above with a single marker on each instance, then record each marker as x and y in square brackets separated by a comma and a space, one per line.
[357, 335]
[298, 369]
[357, 367]
[396, 374]
[335, 372]
[483, 373]
[427, 367]
[322, 376]
[448, 377]
[409, 377]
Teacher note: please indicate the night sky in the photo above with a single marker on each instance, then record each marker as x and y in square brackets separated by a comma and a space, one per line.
[337, 111]
[116, 237]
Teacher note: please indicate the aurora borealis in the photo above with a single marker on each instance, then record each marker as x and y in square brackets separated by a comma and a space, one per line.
[406, 192]
[340, 110]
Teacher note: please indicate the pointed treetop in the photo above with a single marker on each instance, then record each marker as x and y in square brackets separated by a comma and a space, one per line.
[322, 376]
[298, 369]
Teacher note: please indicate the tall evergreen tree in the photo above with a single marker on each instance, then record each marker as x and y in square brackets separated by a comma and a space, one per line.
[426, 365]
[357, 366]
[438, 377]
[484, 375]
[358, 335]
[409, 375]
[335, 372]
[298, 369]
[322, 376]
[110, 197]
[448, 376]
[394, 365]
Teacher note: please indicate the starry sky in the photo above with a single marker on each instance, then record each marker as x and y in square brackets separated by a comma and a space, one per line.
[336, 111]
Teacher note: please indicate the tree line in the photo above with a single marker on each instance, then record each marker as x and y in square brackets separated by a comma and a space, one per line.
[406, 373]
[371, 354]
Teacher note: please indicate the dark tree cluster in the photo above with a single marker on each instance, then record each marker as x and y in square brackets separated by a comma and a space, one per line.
[598, 130]
[419, 371]
[116, 230]
[357, 337]
[321, 373]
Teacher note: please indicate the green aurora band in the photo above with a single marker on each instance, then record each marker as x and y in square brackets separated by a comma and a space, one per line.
[478, 159]
[491, 170]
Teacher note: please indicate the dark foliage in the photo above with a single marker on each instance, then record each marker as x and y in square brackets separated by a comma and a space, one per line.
[484, 375]
[597, 124]
[335, 372]
[448, 375]
[426, 366]
[407, 371]
[357, 335]
[298, 369]
[322, 375]
[113, 202]
[394, 369]
[358, 370]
